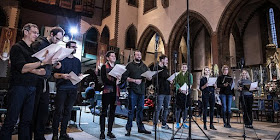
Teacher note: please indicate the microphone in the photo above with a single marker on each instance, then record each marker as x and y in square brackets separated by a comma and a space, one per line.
[175, 57]
[157, 39]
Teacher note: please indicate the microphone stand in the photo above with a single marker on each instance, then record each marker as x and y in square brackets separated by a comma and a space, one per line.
[243, 111]
[156, 86]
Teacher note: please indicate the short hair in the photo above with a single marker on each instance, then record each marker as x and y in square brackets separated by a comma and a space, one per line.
[56, 30]
[28, 26]
[224, 66]
[162, 57]
[184, 64]
[68, 44]
[91, 83]
[109, 53]
[136, 51]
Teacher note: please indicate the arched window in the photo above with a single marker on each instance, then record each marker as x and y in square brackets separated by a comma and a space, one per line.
[133, 3]
[105, 36]
[91, 43]
[130, 41]
[272, 27]
[106, 8]
[149, 4]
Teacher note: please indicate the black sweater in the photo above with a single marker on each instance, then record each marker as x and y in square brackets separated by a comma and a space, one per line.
[163, 84]
[224, 90]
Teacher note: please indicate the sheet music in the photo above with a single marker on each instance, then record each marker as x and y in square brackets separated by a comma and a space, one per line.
[117, 71]
[76, 79]
[253, 86]
[172, 77]
[62, 53]
[51, 49]
[212, 81]
[185, 87]
[149, 74]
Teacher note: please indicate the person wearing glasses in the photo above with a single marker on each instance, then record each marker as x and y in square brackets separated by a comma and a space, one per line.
[66, 92]
[24, 74]
[41, 105]
[226, 95]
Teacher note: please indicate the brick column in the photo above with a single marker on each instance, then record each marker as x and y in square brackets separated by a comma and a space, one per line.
[215, 48]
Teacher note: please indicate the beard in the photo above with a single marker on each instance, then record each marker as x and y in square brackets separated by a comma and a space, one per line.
[137, 60]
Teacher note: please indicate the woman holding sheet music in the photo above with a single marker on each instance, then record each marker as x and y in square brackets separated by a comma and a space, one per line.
[224, 82]
[208, 96]
[246, 98]
[181, 98]
[110, 95]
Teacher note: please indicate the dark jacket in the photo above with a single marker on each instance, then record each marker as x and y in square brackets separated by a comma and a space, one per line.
[207, 90]
[224, 90]
[39, 44]
[20, 55]
[134, 70]
[163, 83]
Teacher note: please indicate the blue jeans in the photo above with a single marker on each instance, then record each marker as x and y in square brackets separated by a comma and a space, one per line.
[21, 102]
[226, 103]
[64, 101]
[165, 100]
[138, 101]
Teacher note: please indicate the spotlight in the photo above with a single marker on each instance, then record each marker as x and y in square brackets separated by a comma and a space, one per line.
[73, 30]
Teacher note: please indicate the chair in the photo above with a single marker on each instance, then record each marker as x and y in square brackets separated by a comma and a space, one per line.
[267, 110]
[85, 101]
[256, 109]
[235, 109]
[97, 104]
[76, 108]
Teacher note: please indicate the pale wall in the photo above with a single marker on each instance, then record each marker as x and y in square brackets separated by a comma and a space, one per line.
[199, 51]
[252, 42]
[165, 18]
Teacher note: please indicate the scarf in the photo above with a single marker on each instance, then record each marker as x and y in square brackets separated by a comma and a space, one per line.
[109, 88]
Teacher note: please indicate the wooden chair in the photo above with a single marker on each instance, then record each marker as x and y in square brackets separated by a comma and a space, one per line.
[255, 109]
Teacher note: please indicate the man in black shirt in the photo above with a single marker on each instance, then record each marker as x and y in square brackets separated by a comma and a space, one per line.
[24, 74]
[66, 92]
[163, 95]
[136, 92]
[41, 106]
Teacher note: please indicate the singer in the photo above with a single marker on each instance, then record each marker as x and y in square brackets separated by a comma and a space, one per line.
[163, 92]
[208, 96]
[226, 95]
[246, 98]
[181, 97]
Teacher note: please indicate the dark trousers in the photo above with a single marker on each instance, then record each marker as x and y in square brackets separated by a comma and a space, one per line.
[64, 101]
[138, 101]
[163, 100]
[108, 99]
[208, 98]
[247, 108]
[41, 109]
[21, 102]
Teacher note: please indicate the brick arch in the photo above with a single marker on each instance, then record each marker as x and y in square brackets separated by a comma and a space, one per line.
[94, 28]
[179, 29]
[146, 37]
[226, 24]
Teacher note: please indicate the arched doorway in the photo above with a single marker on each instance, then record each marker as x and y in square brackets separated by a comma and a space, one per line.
[200, 43]
[245, 31]
[146, 43]
[105, 36]
[131, 37]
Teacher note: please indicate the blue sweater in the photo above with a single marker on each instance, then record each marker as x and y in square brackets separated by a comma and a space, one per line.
[68, 65]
